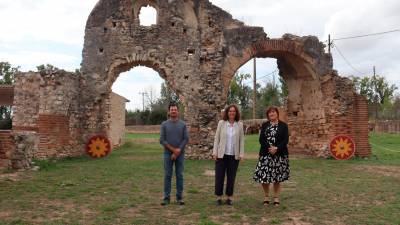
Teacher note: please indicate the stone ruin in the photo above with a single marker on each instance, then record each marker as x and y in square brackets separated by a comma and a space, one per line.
[197, 48]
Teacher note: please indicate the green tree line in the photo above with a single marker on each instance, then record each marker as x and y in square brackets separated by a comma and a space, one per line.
[383, 101]
[241, 94]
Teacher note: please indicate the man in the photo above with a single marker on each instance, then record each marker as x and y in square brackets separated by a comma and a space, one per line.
[174, 137]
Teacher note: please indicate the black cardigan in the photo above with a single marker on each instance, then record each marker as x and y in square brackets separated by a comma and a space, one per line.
[281, 141]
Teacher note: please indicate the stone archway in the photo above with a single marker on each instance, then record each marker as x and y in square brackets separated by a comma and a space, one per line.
[197, 47]
[307, 104]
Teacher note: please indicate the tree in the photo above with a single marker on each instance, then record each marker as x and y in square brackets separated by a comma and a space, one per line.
[376, 89]
[7, 73]
[239, 93]
[383, 90]
[284, 88]
[396, 107]
[6, 78]
[47, 67]
[168, 95]
[156, 111]
[379, 93]
[271, 95]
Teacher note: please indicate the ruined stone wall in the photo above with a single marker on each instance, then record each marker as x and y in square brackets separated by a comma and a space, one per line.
[26, 145]
[7, 147]
[47, 103]
[17, 149]
[117, 127]
[26, 101]
[184, 47]
[197, 47]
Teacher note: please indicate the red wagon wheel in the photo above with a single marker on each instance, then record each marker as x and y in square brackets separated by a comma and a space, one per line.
[98, 146]
[342, 147]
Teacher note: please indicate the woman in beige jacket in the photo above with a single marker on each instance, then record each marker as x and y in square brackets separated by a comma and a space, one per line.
[227, 152]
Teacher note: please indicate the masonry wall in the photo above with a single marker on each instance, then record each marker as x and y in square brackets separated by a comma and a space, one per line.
[17, 149]
[26, 101]
[47, 103]
[196, 47]
[7, 147]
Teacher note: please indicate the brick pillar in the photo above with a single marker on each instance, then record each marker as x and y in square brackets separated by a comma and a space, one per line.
[7, 147]
[360, 127]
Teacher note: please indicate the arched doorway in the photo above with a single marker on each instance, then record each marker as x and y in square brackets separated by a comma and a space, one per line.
[307, 105]
[269, 88]
[135, 100]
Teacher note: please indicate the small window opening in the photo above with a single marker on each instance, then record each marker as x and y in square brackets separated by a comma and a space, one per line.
[148, 16]
[191, 51]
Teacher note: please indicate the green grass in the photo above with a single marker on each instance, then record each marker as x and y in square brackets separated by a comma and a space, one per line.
[386, 147]
[251, 143]
[138, 136]
[126, 188]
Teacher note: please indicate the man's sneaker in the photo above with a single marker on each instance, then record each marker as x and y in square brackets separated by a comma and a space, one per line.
[165, 201]
[180, 202]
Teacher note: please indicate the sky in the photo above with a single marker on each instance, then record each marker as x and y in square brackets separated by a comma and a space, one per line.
[52, 31]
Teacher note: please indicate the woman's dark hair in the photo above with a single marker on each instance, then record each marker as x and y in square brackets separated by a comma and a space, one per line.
[270, 109]
[237, 116]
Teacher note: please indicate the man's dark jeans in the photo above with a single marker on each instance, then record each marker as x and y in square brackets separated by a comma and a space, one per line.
[168, 169]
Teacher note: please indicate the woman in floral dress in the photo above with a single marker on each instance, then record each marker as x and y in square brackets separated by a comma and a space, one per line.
[273, 165]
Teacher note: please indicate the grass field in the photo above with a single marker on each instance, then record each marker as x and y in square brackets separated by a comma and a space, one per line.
[125, 188]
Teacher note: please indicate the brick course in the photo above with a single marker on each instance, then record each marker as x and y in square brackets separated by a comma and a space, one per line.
[6, 148]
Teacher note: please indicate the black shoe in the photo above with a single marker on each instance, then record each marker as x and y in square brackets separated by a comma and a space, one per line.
[229, 202]
[180, 202]
[219, 202]
[276, 201]
[165, 202]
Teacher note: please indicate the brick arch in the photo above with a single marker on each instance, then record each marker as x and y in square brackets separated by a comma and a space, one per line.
[302, 73]
[288, 51]
[123, 65]
[278, 48]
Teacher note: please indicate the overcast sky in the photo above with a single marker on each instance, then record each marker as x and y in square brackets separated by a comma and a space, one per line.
[51, 31]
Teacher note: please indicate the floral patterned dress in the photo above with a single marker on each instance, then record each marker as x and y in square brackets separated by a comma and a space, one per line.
[272, 168]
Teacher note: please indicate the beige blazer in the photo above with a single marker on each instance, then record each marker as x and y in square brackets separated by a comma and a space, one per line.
[220, 139]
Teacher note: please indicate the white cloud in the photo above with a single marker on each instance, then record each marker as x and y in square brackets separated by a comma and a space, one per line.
[46, 20]
[366, 17]
[32, 59]
[138, 80]
[339, 18]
